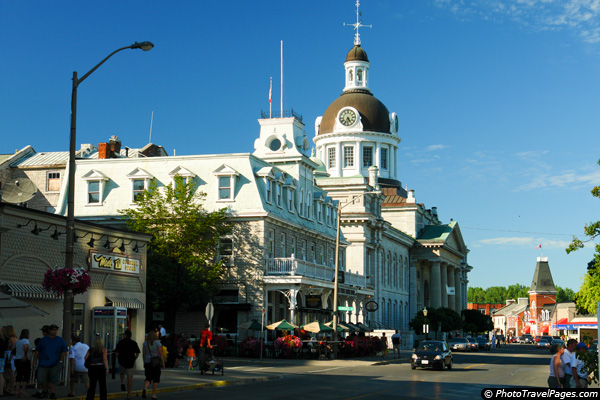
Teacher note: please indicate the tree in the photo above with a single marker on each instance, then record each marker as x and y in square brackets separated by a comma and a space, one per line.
[564, 295]
[182, 253]
[475, 321]
[447, 318]
[588, 295]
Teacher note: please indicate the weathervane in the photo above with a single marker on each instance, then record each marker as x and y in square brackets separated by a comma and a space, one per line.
[357, 25]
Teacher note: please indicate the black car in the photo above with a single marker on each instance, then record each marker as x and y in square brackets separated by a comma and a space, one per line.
[526, 339]
[543, 344]
[483, 343]
[556, 342]
[432, 354]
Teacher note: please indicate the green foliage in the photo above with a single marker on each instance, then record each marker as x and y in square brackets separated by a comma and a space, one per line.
[496, 294]
[475, 321]
[564, 295]
[448, 319]
[590, 359]
[589, 293]
[182, 253]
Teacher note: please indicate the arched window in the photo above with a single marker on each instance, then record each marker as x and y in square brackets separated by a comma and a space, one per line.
[359, 75]
[350, 76]
[301, 204]
[389, 268]
[308, 206]
[401, 273]
[395, 266]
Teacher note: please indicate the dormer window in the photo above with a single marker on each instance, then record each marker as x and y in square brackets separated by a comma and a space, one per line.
[95, 191]
[226, 179]
[308, 207]
[278, 194]
[319, 211]
[225, 188]
[301, 204]
[185, 174]
[269, 188]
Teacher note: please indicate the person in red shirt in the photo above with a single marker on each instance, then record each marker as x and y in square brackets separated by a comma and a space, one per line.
[206, 337]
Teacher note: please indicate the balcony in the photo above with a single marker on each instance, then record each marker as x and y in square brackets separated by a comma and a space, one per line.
[295, 267]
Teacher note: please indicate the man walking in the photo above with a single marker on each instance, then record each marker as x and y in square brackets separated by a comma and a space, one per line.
[396, 342]
[127, 352]
[79, 372]
[580, 375]
[49, 356]
[566, 359]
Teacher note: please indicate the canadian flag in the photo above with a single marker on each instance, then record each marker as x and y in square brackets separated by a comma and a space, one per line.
[539, 246]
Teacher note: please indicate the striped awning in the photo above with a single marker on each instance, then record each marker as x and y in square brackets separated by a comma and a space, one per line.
[127, 302]
[25, 291]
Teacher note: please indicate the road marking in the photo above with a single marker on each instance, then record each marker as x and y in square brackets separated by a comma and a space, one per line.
[323, 370]
[381, 391]
[474, 365]
[257, 369]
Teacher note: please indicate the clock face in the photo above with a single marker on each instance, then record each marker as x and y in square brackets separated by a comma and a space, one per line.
[347, 117]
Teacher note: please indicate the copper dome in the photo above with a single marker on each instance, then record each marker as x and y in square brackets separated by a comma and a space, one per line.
[374, 115]
[357, 53]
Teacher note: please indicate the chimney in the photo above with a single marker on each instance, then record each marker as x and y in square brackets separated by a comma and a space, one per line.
[411, 196]
[115, 146]
[103, 151]
[434, 211]
[373, 172]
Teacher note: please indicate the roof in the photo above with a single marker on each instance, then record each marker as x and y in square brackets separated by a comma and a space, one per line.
[374, 115]
[542, 277]
[44, 158]
[4, 157]
[357, 53]
[436, 233]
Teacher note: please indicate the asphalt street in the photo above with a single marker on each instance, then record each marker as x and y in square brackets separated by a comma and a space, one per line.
[510, 366]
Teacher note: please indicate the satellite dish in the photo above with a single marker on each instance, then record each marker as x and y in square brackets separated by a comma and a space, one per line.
[18, 191]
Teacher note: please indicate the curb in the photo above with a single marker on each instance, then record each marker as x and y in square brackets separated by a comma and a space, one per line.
[171, 389]
[392, 361]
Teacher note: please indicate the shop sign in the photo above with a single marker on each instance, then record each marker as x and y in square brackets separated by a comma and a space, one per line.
[112, 262]
[313, 301]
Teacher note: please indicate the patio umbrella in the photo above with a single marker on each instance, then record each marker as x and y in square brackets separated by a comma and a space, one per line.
[252, 325]
[364, 328]
[11, 307]
[317, 327]
[341, 326]
[282, 325]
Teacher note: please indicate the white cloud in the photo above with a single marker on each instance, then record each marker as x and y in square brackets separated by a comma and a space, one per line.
[434, 147]
[566, 179]
[530, 242]
[579, 16]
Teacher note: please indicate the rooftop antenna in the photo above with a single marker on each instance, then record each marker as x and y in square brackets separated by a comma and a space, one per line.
[151, 119]
[357, 25]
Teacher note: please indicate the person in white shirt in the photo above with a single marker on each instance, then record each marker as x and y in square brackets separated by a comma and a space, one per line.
[22, 364]
[580, 375]
[79, 372]
[162, 331]
[566, 359]
[396, 342]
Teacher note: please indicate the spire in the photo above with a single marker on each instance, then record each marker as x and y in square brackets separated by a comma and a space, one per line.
[358, 24]
[542, 278]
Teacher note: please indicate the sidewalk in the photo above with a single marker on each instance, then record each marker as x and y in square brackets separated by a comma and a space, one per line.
[179, 379]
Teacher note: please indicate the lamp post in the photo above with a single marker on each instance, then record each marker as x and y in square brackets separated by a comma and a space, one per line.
[68, 296]
[337, 269]
[426, 325]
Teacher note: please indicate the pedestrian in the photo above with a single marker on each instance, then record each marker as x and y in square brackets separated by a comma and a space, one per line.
[9, 365]
[191, 356]
[78, 371]
[97, 365]
[162, 331]
[41, 387]
[384, 345]
[127, 352]
[578, 367]
[557, 367]
[3, 347]
[153, 361]
[49, 357]
[22, 364]
[566, 359]
[396, 342]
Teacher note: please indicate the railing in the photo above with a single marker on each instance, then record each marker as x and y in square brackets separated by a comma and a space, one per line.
[279, 114]
[295, 267]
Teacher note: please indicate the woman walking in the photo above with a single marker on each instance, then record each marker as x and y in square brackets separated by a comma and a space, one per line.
[23, 364]
[97, 370]
[153, 361]
[9, 367]
[557, 367]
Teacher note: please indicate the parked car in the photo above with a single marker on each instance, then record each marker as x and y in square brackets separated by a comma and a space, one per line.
[556, 341]
[537, 338]
[483, 343]
[432, 354]
[473, 343]
[543, 344]
[459, 344]
[528, 339]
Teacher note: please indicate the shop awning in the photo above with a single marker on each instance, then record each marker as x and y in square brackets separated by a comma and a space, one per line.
[527, 329]
[127, 302]
[24, 291]
[562, 321]
[544, 329]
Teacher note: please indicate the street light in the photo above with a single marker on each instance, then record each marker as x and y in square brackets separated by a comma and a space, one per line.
[426, 325]
[337, 268]
[68, 296]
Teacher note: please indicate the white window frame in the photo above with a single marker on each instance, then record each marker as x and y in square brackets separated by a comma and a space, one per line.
[98, 191]
[319, 211]
[348, 159]
[271, 244]
[229, 187]
[364, 159]
[268, 190]
[384, 159]
[221, 172]
[331, 158]
[291, 199]
[293, 246]
[309, 206]
[228, 259]
[137, 175]
[48, 178]
[301, 203]
[278, 194]
[282, 246]
[95, 176]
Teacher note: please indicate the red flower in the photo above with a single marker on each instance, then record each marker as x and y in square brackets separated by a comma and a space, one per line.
[60, 280]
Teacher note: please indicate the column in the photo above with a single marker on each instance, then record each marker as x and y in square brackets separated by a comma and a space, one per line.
[412, 288]
[444, 284]
[457, 290]
[377, 160]
[340, 159]
[293, 293]
[435, 286]
[451, 283]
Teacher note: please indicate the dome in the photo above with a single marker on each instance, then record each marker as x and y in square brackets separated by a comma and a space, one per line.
[321, 170]
[357, 53]
[374, 115]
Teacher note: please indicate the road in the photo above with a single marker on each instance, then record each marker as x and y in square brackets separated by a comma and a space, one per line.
[510, 366]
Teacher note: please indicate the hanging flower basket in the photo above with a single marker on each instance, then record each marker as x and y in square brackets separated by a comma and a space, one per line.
[59, 280]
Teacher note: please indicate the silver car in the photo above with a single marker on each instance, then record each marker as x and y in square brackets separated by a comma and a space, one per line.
[459, 344]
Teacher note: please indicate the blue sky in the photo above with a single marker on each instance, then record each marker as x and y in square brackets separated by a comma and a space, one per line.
[498, 99]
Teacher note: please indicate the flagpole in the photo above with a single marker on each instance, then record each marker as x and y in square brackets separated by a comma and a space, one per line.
[270, 104]
[281, 100]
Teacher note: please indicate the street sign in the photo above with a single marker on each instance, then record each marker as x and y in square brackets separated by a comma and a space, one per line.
[344, 308]
[210, 311]
[371, 306]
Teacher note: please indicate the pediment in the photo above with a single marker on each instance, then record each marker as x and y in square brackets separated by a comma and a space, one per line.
[94, 175]
[140, 173]
[266, 172]
[182, 171]
[225, 170]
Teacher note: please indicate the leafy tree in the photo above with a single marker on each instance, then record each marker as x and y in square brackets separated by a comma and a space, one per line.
[564, 295]
[448, 319]
[475, 321]
[182, 252]
[589, 293]
[517, 290]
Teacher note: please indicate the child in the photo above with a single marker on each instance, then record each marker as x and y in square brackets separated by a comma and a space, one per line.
[191, 356]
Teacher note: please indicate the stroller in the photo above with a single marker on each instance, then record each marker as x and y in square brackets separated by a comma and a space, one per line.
[207, 361]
